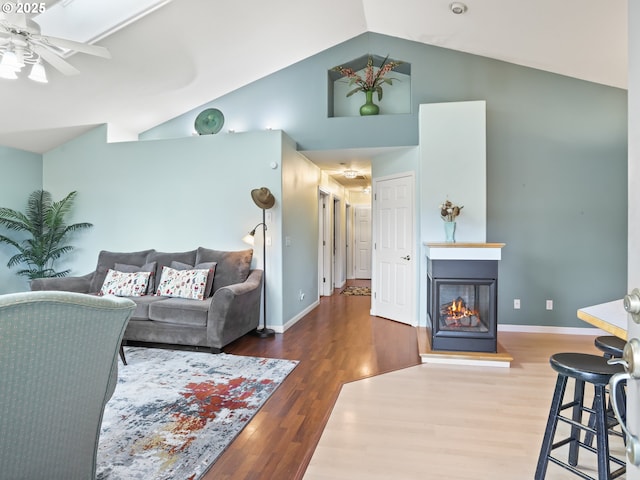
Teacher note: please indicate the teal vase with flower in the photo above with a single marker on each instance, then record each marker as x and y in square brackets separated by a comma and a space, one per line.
[369, 108]
[374, 78]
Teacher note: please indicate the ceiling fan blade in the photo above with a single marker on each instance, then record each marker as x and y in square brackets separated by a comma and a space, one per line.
[53, 59]
[55, 42]
[4, 28]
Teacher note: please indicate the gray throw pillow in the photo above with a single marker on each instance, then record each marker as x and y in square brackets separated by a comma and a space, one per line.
[107, 260]
[231, 267]
[147, 267]
[211, 266]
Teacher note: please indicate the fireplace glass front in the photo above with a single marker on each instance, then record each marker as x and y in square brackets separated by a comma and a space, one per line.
[462, 303]
[464, 307]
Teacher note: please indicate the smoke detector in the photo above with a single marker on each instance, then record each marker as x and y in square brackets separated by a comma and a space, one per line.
[458, 8]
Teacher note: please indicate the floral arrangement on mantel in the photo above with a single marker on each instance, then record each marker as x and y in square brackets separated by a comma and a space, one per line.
[374, 77]
[449, 211]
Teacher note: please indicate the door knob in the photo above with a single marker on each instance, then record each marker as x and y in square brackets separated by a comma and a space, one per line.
[408, 257]
[632, 304]
[630, 362]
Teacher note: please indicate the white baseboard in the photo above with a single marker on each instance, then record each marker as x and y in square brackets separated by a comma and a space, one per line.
[294, 320]
[555, 330]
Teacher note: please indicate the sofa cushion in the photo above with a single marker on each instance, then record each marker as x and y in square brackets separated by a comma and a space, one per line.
[164, 259]
[142, 306]
[181, 311]
[147, 267]
[125, 284]
[231, 267]
[211, 266]
[183, 283]
[107, 260]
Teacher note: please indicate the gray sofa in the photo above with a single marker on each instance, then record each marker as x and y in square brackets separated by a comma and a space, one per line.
[232, 311]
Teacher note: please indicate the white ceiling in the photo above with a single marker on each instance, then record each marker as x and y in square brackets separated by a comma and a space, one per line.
[190, 52]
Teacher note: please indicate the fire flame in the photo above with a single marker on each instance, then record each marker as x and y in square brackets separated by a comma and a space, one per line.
[458, 310]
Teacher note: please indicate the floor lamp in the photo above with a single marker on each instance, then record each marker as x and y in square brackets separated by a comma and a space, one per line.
[263, 198]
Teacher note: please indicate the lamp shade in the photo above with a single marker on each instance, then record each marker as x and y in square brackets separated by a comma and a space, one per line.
[38, 73]
[10, 60]
[249, 238]
[7, 72]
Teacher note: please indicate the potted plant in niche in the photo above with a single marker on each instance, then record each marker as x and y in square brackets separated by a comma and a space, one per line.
[44, 224]
[374, 78]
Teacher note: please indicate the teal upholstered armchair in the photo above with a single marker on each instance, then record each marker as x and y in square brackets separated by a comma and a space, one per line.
[58, 368]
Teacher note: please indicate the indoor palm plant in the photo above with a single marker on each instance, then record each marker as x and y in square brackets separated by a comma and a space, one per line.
[46, 231]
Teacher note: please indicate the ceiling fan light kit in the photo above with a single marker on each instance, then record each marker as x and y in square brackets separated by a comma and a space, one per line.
[9, 65]
[38, 73]
[22, 44]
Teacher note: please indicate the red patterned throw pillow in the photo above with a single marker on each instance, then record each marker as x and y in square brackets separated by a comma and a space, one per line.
[183, 283]
[125, 284]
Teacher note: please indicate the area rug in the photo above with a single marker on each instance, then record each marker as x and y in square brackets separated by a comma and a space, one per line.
[357, 291]
[174, 412]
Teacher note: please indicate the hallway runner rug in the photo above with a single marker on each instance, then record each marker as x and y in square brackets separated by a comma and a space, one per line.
[174, 412]
[357, 291]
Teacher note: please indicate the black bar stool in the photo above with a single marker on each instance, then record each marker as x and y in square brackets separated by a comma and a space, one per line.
[611, 346]
[583, 368]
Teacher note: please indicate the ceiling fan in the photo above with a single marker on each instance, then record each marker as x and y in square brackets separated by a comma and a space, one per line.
[21, 43]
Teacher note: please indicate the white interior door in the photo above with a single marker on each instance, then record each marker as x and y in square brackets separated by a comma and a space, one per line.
[339, 275]
[325, 246]
[633, 258]
[394, 259]
[362, 242]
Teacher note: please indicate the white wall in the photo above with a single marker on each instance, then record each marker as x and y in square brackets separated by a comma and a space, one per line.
[453, 160]
[358, 198]
[634, 146]
[633, 259]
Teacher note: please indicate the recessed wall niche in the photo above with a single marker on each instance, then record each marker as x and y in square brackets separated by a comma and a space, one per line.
[396, 98]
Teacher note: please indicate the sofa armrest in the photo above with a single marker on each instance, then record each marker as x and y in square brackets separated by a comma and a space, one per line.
[235, 310]
[67, 284]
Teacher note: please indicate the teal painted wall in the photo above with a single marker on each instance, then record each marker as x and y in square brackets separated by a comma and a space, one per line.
[556, 161]
[300, 180]
[171, 195]
[20, 174]
[556, 169]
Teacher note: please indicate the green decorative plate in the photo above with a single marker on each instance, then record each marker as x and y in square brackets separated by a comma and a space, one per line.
[209, 121]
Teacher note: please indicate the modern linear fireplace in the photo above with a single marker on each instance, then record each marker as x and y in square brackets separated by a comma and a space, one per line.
[462, 294]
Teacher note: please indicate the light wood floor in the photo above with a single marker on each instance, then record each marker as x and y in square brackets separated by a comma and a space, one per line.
[449, 422]
[386, 415]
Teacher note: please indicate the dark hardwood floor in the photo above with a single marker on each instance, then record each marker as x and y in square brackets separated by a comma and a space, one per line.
[337, 342]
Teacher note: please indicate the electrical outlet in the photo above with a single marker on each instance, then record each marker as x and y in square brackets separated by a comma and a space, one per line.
[549, 304]
[516, 303]
[301, 295]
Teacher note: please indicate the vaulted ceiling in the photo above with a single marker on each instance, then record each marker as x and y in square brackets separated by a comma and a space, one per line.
[189, 52]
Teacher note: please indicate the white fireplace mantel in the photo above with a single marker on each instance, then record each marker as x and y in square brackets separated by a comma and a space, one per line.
[464, 251]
